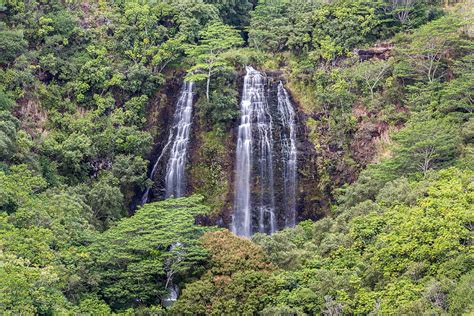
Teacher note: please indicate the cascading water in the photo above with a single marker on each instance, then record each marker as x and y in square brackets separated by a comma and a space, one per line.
[254, 205]
[289, 154]
[241, 220]
[175, 177]
[179, 137]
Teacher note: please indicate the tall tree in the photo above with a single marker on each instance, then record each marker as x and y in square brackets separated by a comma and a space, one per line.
[136, 260]
[432, 48]
[206, 55]
[426, 145]
[270, 26]
[235, 13]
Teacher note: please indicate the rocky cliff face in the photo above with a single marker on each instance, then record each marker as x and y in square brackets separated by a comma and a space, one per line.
[212, 161]
[160, 111]
[324, 163]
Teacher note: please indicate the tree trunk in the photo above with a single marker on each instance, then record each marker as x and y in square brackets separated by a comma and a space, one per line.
[427, 159]
[208, 84]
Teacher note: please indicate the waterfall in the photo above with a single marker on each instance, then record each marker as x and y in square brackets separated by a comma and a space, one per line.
[175, 178]
[289, 153]
[254, 205]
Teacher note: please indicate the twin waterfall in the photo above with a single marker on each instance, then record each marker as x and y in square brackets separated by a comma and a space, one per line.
[256, 206]
[175, 180]
[266, 156]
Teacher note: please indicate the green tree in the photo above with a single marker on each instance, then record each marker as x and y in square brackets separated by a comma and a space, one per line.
[137, 259]
[282, 25]
[220, 111]
[371, 73]
[461, 298]
[424, 145]
[12, 44]
[169, 51]
[431, 49]
[106, 200]
[342, 25]
[91, 304]
[238, 280]
[65, 213]
[193, 16]
[269, 26]
[235, 13]
[457, 94]
[18, 186]
[408, 14]
[72, 152]
[6, 104]
[206, 55]
[28, 289]
[131, 171]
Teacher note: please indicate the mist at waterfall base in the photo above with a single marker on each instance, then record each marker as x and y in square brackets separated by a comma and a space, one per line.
[178, 139]
[266, 158]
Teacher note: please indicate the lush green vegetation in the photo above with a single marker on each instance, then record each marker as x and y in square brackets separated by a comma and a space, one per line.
[406, 252]
[385, 93]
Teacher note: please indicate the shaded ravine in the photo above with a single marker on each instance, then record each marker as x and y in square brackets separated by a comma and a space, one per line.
[175, 180]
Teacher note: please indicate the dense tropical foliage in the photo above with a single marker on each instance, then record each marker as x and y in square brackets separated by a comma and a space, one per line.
[385, 93]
